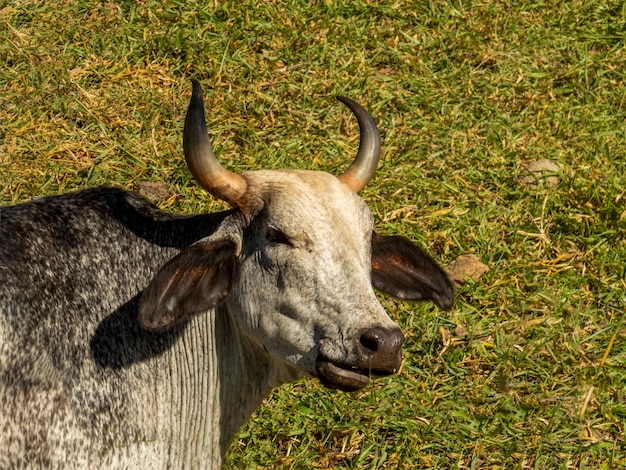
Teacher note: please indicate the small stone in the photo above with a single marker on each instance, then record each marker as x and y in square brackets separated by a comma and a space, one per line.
[154, 190]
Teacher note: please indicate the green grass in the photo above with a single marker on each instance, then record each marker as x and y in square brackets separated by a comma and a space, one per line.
[529, 369]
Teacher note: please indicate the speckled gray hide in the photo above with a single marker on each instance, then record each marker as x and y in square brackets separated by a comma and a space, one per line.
[82, 385]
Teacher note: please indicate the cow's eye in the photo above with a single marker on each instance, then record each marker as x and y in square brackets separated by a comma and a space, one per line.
[276, 237]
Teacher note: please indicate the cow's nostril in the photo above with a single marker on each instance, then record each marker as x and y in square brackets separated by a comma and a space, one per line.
[369, 341]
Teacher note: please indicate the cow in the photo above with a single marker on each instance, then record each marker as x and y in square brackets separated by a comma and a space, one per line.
[135, 338]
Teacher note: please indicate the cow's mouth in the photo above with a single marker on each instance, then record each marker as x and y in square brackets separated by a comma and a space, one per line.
[345, 377]
[341, 376]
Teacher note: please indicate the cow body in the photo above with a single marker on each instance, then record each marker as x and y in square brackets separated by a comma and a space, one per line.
[132, 338]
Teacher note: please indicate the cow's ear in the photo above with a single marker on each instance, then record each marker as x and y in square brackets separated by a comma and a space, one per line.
[194, 281]
[401, 269]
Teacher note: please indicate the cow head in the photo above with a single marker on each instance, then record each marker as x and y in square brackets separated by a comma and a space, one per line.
[296, 262]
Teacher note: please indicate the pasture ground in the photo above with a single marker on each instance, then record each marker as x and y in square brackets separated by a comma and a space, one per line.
[529, 368]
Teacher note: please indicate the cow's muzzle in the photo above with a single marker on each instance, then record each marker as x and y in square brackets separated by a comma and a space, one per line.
[377, 351]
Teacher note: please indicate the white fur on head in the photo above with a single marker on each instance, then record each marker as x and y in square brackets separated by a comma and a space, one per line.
[312, 287]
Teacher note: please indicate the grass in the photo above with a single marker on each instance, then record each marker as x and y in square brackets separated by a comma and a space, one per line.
[529, 369]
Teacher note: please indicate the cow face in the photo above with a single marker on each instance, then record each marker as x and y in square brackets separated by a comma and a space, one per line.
[295, 271]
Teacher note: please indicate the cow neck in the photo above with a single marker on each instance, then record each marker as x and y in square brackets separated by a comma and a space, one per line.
[214, 380]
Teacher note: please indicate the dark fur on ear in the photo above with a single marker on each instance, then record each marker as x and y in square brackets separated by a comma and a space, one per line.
[197, 279]
[403, 270]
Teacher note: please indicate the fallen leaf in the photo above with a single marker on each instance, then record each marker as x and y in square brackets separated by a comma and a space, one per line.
[466, 267]
[543, 173]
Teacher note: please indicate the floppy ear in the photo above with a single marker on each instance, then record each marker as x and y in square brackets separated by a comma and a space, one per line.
[401, 269]
[194, 281]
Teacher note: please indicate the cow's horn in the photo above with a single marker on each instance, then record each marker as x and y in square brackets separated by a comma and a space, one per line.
[201, 160]
[364, 165]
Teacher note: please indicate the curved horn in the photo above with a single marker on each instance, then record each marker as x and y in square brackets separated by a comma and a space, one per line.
[201, 160]
[364, 165]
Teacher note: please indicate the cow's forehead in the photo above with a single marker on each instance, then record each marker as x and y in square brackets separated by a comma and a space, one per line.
[311, 198]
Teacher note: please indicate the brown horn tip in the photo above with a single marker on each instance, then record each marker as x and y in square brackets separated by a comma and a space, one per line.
[364, 165]
[201, 160]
